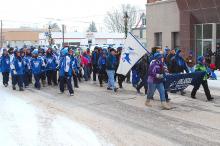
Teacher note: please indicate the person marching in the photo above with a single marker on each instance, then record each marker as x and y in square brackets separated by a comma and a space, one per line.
[37, 66]
[201, 67]
[94, 59]
[74, 67]
[155, 81]
[111, 63]
[51, 64]
[28, 71]
[102, 68]
[5, 66]
[17, 70]
[65, 72]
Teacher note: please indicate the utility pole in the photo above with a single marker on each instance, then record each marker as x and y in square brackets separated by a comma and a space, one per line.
[126, 17]
[63, 32]
[1, 35]
[49, 36]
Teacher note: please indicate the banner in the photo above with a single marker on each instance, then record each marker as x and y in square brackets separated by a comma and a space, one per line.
[132, 52]
[178, 82]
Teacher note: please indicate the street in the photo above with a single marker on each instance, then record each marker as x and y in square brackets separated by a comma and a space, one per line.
[94, 116]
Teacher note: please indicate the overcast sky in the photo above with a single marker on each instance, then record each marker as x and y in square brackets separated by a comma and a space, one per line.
[74, 13]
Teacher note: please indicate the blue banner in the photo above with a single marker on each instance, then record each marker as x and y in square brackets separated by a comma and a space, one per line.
[178, 82]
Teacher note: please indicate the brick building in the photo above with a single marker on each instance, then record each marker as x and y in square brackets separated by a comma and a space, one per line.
[188, 24]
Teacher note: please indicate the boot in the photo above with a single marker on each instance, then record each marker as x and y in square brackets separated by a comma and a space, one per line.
[147, 103]
[43, 83]
[13, 87]
[21, 89]
[165, 106]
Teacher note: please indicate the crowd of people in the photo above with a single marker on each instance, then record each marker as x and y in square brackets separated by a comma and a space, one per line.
[72, 65]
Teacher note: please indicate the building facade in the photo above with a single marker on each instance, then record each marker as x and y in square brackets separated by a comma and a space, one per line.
[18, 37]
[82, 39]
[192, 25]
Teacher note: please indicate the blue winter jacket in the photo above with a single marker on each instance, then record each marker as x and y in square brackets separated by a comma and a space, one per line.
[36, 65]
[5, 63]
[18, 66]
[27, 60]
[50, 61]
[111, 62]
[102, 63]
[65, 66]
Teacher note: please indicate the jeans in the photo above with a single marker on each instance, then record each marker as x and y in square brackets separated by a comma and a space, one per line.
[111, 78]
[86, 73]
[152, 88]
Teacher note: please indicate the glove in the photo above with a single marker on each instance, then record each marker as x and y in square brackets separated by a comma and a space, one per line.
[14, 72]
[159, 76]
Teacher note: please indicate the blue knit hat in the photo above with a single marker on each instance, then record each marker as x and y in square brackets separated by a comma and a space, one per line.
[158, 55]
[200, 59]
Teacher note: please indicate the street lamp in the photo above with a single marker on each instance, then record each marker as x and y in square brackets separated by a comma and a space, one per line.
[126, 17]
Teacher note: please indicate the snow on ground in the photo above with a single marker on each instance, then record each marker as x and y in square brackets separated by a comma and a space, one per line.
[215, 83]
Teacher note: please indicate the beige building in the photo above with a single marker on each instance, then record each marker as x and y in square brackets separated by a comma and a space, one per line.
[163, 24]
[20, 37]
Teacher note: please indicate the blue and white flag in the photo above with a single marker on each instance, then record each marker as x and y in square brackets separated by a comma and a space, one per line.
[133, 50]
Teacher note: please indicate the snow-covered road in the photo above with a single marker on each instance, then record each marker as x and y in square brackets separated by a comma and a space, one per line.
[95, 117]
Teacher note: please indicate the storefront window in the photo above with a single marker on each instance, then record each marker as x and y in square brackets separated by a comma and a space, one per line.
[198, 31]
[199, 47]
[218, 34]
[207, 31]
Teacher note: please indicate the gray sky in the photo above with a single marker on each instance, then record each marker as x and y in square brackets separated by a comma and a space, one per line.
[74, 13]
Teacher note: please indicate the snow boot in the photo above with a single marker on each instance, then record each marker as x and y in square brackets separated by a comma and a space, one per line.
[165, 106]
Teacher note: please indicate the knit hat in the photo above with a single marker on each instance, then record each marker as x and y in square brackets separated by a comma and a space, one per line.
[158, 55]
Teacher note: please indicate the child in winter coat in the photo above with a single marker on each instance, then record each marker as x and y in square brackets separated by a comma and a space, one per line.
[5, 66]
[51, 64]
[201, 67]
[37, 65]
[65, 72]
[17, 70]
[102, 68]
[28, 72]
[213, 76]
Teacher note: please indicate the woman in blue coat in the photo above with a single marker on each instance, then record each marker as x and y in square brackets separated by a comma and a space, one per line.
[5, 66]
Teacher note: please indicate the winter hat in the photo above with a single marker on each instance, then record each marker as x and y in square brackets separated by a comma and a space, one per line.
[158, 55]
[200, 59]
[35, 52]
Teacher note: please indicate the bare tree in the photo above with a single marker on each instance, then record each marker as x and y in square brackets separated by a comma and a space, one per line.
[114, 20]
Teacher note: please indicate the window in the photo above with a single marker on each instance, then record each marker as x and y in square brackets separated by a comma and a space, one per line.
[218, 34]
[175, 40]
[158, 39]
[198, 31]
[207, 31]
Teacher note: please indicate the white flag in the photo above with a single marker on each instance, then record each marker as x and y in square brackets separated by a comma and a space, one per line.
[132, 52]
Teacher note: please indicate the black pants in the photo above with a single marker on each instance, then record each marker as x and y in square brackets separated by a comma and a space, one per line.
[27, 78]
[51, 76]
[102, 76]
[75, 80]
[128, 76]
[94, 71]
[17, 79]
[66, 79]
[143, 83]
[206, 89]
[5, 78]
[121, 79]
[37, 81]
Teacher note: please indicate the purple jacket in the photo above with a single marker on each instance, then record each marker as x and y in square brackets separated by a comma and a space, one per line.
[156, 67]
